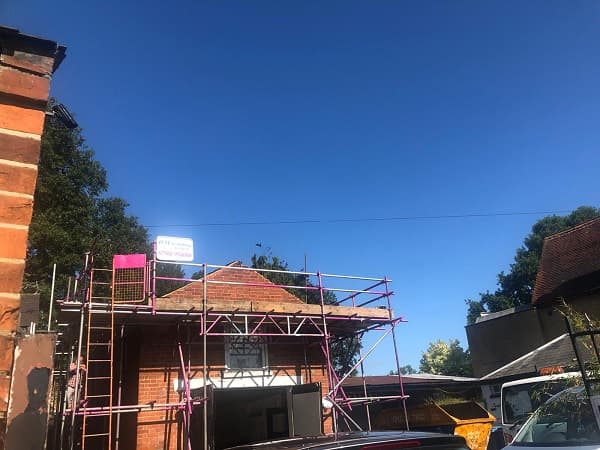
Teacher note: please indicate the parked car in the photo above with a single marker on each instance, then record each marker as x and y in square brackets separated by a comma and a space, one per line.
[374, 440]
[520, 398]
[566, 420]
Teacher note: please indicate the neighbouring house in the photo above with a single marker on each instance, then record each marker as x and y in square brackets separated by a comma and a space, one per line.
[227, 359]
[518, 342]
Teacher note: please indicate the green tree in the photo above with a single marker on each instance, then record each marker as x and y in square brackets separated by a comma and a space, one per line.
[344, 349]
[71, 215]
[285, 278]
[446, 358]
[69, 181]
[515, 288]
[115, 232]
[169, 271]
[404, 370]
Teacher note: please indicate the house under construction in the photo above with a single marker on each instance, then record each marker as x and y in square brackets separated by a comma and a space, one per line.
[227, 358]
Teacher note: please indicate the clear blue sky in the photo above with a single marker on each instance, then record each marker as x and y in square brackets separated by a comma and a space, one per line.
[238, 111]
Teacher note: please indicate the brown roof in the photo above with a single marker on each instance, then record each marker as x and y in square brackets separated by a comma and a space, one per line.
[255, 288]
[380, 380]
[570, 262]
[257, 294]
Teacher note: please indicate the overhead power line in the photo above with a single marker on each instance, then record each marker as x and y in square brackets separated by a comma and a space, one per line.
[357, 219]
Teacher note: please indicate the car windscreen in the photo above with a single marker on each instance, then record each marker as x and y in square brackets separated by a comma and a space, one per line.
[519, 401]
[566, 420]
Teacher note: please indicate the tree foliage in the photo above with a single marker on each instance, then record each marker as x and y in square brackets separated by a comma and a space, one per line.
[446, 358]
[515, 288]
[169, 271]
[404, 370]
[72, 215]
[344, 349]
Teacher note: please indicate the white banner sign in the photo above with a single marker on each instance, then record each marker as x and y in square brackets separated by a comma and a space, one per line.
[170, 248]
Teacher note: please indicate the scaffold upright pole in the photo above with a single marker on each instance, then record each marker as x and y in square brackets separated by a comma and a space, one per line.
[52, 296]
[364, 380]
[119, 388]
[204, 354]
[330, 376]
[400, 381]
[74, 405]
[188, 404]
[153, 298]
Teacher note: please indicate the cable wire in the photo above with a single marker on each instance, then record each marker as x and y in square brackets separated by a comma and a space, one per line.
[356, 220]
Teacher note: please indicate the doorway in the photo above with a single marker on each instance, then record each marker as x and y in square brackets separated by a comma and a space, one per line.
[245, 415]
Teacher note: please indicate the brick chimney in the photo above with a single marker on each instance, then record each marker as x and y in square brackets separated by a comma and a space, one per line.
[26, 67]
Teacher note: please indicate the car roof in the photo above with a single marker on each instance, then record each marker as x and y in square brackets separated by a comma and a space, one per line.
[361, 438]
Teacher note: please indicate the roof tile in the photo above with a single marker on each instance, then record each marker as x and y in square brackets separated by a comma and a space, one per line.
[570, 256]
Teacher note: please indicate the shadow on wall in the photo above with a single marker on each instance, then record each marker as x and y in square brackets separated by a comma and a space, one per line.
[27, 431]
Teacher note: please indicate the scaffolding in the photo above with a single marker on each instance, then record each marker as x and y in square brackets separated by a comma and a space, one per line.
[104, 298]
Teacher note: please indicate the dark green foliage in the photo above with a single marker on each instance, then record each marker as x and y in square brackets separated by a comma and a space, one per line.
[404, 370]
[69, 182]
[71, 216]
[170, 271]
[287, 279]
[344, 349]
[115, 232]
[515, 288]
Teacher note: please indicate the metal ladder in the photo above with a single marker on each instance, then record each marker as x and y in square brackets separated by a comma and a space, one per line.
[97, 400]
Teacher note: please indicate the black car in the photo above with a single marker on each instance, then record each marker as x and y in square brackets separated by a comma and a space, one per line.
[374, 440]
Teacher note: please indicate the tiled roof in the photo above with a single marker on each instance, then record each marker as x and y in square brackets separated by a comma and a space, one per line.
[255, 287]
[557, 352]
[236, 288]
[570, 262]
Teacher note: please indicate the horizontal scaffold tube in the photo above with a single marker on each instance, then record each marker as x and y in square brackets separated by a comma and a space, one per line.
[106, 410]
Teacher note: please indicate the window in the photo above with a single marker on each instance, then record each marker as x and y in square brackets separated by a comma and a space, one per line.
[245, 352]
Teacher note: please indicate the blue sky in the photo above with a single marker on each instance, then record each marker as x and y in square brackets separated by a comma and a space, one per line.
[243, 111]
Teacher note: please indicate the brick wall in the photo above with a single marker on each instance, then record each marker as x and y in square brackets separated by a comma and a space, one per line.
[159, 367]
[254, 289]
[26, 67]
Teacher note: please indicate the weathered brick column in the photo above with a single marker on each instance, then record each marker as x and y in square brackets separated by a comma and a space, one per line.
[26, 67]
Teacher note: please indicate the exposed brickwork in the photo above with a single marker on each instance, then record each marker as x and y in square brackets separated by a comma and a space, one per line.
[9, 318]
[19, 149]
[245, 292]
[26, 64]
[6, 352]
[160, 367]
[17, 179]
[11, 276]
[4, 392]
[15, 210]
[42, 65]
[21, 119]
[23, 84]
[13, 242]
